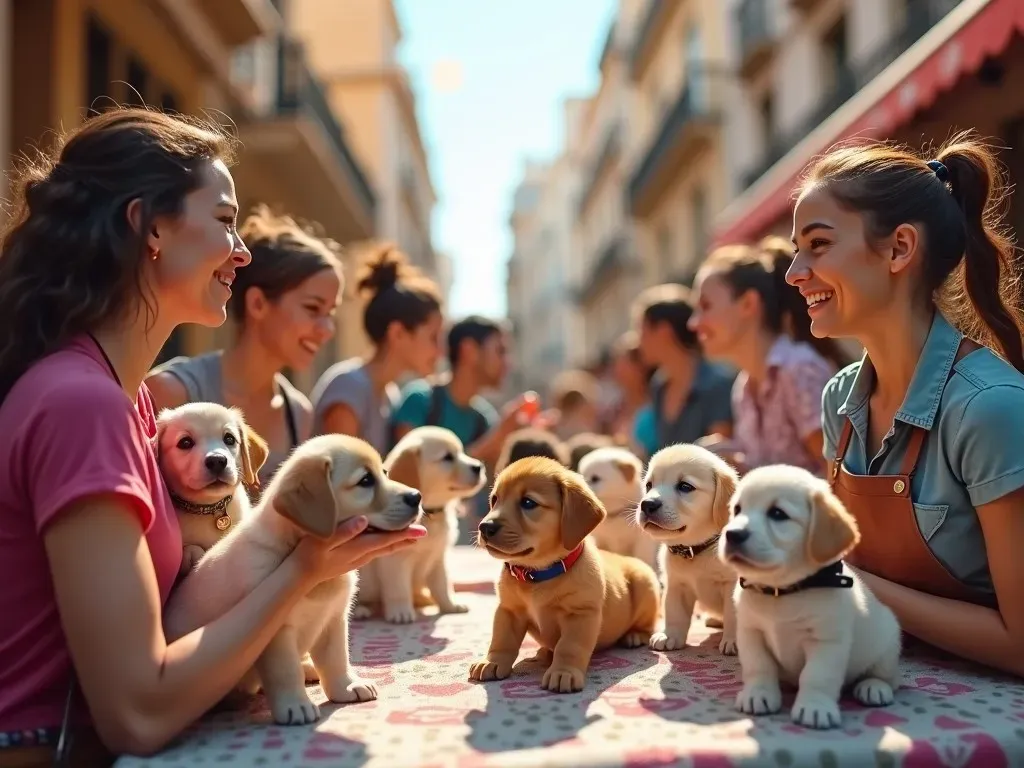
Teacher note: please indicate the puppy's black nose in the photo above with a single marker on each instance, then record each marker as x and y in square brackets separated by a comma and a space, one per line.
[737, 535]
[412, 498]
[489, 528]
[477, 469]
[650, 506]
[216, 462]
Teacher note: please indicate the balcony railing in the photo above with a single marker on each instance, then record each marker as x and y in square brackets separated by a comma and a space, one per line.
[756, 33]
[613, 258]
[300, 94]
[610, 150]
[700, 100]
[922, 15]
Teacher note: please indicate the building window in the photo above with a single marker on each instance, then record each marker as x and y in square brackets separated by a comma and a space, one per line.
[699, 222]
[766, 111]
[97, 67]
[138, 82]
[664, 252]
[835, 53]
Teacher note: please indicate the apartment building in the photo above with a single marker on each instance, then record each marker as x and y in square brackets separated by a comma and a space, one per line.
[814, 72]
[611, 268]
[676, 148]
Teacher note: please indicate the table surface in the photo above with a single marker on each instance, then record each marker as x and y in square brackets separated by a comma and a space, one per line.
[640, 709]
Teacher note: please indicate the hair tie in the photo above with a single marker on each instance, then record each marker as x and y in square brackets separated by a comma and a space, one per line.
[940, 170]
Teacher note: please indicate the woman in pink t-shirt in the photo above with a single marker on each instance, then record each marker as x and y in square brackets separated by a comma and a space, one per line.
[747, 316]
[126, 232]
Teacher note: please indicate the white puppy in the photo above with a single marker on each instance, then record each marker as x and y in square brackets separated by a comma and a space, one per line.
[685, 507]
[615, 476]
[206, 452]
[802, 617]
[432, 460]
[326, 480]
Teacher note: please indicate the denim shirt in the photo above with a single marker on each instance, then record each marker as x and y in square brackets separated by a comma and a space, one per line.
[974, 451]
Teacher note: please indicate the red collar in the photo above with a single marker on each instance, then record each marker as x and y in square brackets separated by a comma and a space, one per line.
[535, 575]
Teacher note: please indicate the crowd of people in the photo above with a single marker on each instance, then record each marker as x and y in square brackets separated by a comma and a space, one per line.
[130, 228]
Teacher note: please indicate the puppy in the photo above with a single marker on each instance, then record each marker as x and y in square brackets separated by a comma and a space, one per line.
[685, 507]
[616, 476]
[802, 617]
[432, 460]
[524, 443]
[325, 481]
[206, 452]
[581, 444]
[571, 597]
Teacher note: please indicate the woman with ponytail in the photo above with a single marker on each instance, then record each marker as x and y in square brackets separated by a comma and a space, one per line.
[403, 321]
[925, 435]
[748, 316]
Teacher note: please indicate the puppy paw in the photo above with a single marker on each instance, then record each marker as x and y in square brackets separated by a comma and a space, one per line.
[759, 699]
[635, 640]
[816, 710]
[482, 671]
[872, 692]
[400, 614]
[351, 690]
[293, 709]
[309, 671]
[661, 642]
[562, 680]
[454, 608]
[727, 646]
[361, 612]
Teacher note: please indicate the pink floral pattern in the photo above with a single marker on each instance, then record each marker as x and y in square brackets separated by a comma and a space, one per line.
[640, 709]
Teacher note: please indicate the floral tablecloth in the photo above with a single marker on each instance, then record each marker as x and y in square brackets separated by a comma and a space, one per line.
[640, 709]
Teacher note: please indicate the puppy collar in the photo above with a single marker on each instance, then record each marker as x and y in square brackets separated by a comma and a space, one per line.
[218, 508]
[521, 573]
[689, 552]
[432, 511]
[829, 576]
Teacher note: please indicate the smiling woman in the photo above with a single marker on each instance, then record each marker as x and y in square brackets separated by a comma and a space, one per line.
[284, 305]
[925, 435]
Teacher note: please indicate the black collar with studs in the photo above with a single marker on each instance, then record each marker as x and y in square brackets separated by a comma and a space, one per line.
[689, 553]
[831, 576]
[192, 508]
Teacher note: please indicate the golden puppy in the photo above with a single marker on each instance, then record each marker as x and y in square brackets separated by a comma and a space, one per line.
[326, 480]
[432, 460]
[206, 452]
[802, 617]
[685, 507]
[616, 476]
[571, 597]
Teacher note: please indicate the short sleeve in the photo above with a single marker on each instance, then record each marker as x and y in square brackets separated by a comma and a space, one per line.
[414, 406]
[86, 439]
[344, 389]
[487, 411]
[988, 448]
[644, 432]
[804, 383]
[830, 418]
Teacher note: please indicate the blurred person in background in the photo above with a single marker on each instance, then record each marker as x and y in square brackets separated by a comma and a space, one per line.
[283, 305]
[403, 320]
[748, 316]
[576, 397]
[633, 379]
[690, 396]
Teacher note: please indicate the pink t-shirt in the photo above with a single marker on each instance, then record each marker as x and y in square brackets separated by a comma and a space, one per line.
[67, 431]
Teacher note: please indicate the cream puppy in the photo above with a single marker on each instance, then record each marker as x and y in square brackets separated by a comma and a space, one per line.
[615, 476]
[432, 460]
[685, 506]
[206, 453]
[802, 617]
[326, 480]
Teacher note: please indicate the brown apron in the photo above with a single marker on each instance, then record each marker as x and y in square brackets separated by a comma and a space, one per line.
[891, 544]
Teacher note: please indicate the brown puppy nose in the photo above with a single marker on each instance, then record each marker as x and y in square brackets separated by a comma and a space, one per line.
[489, 528]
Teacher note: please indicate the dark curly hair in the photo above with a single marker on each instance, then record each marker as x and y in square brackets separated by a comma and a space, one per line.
[70, 260]
[396, 292]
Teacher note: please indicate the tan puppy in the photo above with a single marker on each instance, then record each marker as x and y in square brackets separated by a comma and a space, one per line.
[432, 460]
[616, 476]
[685, 507]
[802, 617]
[206, 452]
[325, 481]
[571, 597]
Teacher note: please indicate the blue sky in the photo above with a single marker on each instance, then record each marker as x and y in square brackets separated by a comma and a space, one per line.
[516, 60]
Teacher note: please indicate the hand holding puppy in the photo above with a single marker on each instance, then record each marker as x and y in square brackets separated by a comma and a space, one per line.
[324, 559]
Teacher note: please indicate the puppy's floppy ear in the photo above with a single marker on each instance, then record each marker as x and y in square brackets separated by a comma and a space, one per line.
[405, 467]
[725, 487]
[254, 452]
[628, 469]
[582, 512]
[306, 496]
[833, 531]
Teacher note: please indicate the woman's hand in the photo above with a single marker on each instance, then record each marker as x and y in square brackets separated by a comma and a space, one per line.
[350, 549]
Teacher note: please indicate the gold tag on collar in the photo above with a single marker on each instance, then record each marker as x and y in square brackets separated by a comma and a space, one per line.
[223, 523]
